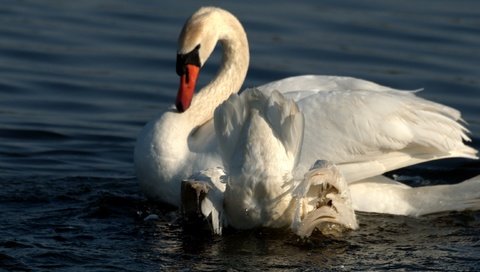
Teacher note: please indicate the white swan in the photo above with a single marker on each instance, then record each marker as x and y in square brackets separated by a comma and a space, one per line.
[260, 138]
[364, 128]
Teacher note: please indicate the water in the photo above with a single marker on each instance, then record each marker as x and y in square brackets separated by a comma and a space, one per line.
[79, 79]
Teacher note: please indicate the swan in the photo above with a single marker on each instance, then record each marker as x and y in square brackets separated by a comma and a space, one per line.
[260, 137]
[363, 128]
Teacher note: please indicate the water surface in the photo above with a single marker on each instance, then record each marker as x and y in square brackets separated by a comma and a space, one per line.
[78, 80]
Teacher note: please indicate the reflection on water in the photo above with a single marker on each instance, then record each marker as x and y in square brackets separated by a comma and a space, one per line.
[79, 79]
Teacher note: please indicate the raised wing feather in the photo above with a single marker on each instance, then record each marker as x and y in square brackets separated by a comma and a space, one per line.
[287, 122]
[234, 116]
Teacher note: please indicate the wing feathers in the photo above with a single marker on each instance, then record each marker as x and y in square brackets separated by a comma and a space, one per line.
[349, 121]
[354, 125]
[282, 115]
[287, 122]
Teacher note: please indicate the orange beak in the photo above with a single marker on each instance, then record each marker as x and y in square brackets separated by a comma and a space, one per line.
[187, 87]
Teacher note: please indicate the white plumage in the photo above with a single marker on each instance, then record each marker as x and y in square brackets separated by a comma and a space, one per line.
[259, 139]
[363, 128]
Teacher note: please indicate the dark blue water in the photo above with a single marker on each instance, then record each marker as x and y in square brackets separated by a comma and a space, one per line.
[78, 80]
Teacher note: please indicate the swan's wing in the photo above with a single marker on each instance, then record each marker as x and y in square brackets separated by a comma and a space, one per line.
[367, 129]
[229, 121]
[239, 113]
[300, 87]
[287, 123]
[383, 195]
[208, 187]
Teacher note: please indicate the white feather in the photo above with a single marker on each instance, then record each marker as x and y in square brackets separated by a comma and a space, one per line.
[362, 127]
[322, 199]
[260, 138]
[212, 205]
[383, 195]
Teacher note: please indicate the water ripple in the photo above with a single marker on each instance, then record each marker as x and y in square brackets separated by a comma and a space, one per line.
[78, 80]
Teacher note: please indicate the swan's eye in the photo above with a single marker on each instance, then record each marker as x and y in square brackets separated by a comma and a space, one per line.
[191, 57]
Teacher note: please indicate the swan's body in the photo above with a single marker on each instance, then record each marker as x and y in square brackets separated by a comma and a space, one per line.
[260, 139]
[364, 128]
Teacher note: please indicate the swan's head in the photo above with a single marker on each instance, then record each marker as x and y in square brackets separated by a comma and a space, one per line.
[196, 43]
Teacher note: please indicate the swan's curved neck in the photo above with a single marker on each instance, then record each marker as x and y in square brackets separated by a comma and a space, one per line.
[230, 77]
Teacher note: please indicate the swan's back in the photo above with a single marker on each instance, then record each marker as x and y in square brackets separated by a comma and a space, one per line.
[260, 138]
